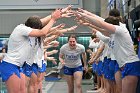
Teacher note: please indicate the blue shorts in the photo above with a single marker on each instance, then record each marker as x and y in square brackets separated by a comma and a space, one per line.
[106, 68]
[35, 68]
[105, 63]
[27, 70]
[101, 64]
[99, 68]
[131, 69]
[94, 67]
[71, 71]
[111, 71]
[43, 69]
[117, 68]
[8, 69]
[21, 70]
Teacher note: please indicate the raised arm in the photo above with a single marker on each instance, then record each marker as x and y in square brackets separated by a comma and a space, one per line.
[90, 14]
[97, 54]
[102, 37]
[44, 31]
[46, 19]
[51, 52]
[99, 23]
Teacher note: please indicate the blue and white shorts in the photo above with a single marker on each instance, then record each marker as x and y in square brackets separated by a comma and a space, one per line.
[99, 68]
[94, 67]
[27, 70]
[43, 69]
[131, 69]
[8, 69]
[71, 71]
[35, 68]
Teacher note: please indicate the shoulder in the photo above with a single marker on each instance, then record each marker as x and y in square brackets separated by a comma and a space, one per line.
[22, 27]
[120, 30]
[80, 45]
[64, 46]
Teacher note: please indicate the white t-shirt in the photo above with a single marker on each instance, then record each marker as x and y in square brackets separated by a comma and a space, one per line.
[101, 43]
[93, 45]
[72, 56]
[40, 56]
[122, 46]
[110, 48]
[102, 37]
[105, 39]
[18, 45]
[32, 51]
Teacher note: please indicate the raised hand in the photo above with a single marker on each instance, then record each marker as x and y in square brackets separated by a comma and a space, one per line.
[60, 26]
[83, 22]
[85, 11]
[52, 59]
[60, 32]
[55, 51]
[67, 15]
[72, 28]
[56, 14]
[64, 10]
[55, 43]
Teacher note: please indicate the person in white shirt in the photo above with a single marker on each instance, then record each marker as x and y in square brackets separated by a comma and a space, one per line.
[18, 48]
[69, 56]
[123, 50]
[114, 13]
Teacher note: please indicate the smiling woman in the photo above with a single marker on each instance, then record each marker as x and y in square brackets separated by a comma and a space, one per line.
[70, 57]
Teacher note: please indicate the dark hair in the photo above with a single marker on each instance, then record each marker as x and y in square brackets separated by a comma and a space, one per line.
[72, 36]
[114, 12]
[35, 22]
[112, 20]
[93, 36]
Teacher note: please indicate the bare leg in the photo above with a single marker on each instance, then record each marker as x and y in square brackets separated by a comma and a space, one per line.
[102, 85]
[33, 87]
[129, 84]
[27, 83]
[112, 86]
[99, 82]
[108, 87]
[70, 82]
[40, 87]
[78, 81]
[11, 86]
[23, 88]
[39, 81]
[118, 82]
